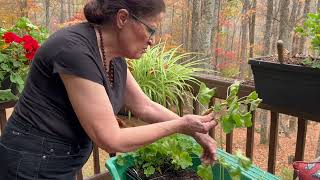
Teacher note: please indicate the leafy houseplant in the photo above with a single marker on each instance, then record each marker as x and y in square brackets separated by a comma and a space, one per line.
[293, 83]
[18, 46]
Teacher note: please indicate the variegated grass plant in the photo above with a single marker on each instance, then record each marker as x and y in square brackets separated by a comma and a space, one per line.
[166, 75]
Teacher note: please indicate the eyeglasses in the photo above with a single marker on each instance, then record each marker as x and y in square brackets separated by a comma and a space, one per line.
[150, 30]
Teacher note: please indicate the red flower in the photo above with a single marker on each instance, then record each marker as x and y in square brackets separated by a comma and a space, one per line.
[27, 38]
[30, 56]
[10, 37]
[30, 45]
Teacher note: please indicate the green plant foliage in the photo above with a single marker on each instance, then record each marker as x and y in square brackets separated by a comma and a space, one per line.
[205, 94]
[174, 152]
[311, 29]
[170, 153]
[7, 95]
[233, 115]
[165, 75]
[205, 172]
[16, 54]
[314, 63]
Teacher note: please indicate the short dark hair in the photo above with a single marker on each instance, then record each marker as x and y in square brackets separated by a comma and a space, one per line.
[103, 11]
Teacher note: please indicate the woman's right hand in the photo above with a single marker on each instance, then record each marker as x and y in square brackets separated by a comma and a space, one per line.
[196, 123]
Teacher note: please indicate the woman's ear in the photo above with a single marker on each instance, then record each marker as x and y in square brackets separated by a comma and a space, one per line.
[122, 18]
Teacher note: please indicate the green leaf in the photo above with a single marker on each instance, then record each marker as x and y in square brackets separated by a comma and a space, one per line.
[254, 104]
[2, 31]
[24, 23]
[237, 119]
[247, 119]
[227, 124]
[205, 94]
[121, 161]
[3, 57]
[16, 78]
[217, 107]
[244, 162]
[252, 96]
[183, 160]
[307, 62]
[149, 170]
[5, 67]
[205, 172]
[2, 75]
[234, 88]
[235, 174]
[17, 64]
[234, 106]
[299, 29]
[6, 95]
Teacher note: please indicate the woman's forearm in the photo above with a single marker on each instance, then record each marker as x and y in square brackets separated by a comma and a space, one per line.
[129, 139]
[155, 112]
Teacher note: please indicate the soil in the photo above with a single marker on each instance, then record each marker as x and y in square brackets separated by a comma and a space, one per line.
[188, 174]
[296, 59]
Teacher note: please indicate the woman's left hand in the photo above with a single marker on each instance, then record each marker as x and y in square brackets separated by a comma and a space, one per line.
[209, 147]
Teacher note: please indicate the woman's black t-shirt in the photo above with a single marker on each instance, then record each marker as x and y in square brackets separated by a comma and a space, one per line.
[44, 102]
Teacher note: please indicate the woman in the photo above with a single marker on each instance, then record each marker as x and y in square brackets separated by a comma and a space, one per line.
[77, 83]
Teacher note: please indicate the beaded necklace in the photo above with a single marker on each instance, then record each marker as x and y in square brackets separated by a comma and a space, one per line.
[110, 72]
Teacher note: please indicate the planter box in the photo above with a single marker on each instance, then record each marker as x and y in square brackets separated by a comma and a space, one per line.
[296, 88]
[119, 172]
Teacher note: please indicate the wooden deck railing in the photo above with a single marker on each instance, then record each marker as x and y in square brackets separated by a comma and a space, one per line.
[221, 85]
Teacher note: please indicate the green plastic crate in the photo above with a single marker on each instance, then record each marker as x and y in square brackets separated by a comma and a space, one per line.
[254, 173]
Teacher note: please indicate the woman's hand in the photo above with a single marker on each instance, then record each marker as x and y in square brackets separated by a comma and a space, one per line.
[196, 123]
[209, 147]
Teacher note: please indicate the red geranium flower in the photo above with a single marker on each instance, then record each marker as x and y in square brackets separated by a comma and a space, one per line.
[30, 45]
[10, 37]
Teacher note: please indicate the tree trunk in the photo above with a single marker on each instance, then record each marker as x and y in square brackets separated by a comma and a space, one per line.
[47, 11]
[275, 27]
[184, 25]
[233, 35]
[252, 25]
[295, 39]
[292, 21]
[263, 126]
[216, 30]
[318, 5]
[306, 10]
[196, 35]
[284, 26]
[62, 12]
[74, 4]
[244, 39]
[267, 34]
[172, 20]
[23, 5]
[69, 9]
[188, 37]
[206, 29]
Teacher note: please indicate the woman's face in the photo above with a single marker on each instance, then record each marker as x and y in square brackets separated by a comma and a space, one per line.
[138, 34]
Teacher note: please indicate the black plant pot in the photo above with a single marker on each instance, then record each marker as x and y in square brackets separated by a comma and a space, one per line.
[296, 88]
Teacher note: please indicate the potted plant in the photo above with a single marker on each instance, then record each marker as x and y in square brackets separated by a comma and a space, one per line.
[291, 81]
[165, 75]
[18, 46]
[178, 155]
